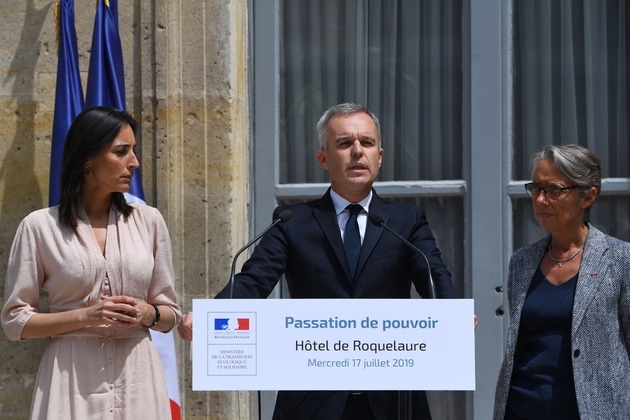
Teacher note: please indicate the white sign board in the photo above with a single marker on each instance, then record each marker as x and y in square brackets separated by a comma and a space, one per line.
[333, 344]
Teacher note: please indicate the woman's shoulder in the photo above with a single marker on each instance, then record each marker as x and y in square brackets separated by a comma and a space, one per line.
[600, 239]
[616, 247]
[144, 210]
[48, 216]
[147, 215]
[42, 223]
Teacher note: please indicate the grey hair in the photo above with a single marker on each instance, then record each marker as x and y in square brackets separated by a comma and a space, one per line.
[577, 163]
[342, 109]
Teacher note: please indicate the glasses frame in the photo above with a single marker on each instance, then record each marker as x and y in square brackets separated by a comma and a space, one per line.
[530, 187]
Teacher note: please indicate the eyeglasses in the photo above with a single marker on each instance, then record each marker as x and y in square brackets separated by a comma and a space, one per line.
[551, 192]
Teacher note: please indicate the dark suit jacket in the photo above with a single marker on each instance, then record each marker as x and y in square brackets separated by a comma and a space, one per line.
[309, 251]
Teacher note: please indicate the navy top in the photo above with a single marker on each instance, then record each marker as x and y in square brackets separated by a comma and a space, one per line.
[542, 384]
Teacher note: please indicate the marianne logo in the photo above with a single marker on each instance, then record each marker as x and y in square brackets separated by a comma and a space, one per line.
[232, 327]
[231, 324]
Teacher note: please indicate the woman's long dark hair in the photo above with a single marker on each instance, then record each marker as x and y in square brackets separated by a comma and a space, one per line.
[91, 133]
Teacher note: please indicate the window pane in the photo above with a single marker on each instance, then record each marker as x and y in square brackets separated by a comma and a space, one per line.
[402, 59]
[571, 80]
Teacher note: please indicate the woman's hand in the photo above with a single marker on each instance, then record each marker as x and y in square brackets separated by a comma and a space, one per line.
[117, 311]
[184, 327]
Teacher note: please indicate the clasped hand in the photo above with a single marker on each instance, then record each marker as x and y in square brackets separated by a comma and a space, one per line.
[118, 311]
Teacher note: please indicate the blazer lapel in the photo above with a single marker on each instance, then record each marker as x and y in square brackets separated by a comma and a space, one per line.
[372, 233]
[523, 278]
[592, 273]
[325, 214]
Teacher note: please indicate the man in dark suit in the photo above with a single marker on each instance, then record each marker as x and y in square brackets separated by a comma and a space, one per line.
[328, 249]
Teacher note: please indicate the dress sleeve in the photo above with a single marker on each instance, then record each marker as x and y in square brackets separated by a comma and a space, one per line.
[162, 288]
[25, 277]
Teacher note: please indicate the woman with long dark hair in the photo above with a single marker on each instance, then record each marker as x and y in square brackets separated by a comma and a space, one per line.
[107, 268]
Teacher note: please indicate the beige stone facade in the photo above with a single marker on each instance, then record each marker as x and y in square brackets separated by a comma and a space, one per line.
[187, 84]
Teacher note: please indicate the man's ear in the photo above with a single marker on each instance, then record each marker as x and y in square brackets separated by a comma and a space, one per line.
[322, 158]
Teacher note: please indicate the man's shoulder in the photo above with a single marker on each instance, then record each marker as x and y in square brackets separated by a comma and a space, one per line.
[305, 207]
[396, 207]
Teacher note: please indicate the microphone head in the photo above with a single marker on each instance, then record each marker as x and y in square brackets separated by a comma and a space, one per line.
[284, 215]
[375, 219]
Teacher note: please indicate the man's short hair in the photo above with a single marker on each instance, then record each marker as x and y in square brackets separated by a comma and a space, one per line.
[342, 109]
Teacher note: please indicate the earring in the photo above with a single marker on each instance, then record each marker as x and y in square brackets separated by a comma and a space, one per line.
[87, 171]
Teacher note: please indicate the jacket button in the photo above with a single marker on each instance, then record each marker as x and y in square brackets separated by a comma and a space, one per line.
[576, 353]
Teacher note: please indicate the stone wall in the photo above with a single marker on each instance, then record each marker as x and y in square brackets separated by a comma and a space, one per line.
[186, 81]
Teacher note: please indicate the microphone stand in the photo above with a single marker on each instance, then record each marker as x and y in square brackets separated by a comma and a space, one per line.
[281, 218]
[378, 221]
[405, 397]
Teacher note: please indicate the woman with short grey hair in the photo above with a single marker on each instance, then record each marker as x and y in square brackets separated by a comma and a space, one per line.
[569, 294]
[579, 164]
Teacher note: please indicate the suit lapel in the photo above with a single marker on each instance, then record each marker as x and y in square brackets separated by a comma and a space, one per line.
[325, 214]
[372, 233]
[523, 277]
[592, 273]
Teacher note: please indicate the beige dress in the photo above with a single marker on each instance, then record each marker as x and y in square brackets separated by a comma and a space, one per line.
[96, 372]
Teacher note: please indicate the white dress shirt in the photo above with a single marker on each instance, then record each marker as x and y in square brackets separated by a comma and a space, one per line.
[343, 214]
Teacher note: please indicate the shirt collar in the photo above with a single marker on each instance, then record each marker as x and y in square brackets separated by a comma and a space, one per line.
[341, 203]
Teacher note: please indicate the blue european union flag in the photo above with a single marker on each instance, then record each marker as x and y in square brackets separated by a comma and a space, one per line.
[68, 93]
[106, 75]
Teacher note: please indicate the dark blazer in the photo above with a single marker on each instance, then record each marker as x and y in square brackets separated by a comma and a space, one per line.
[600, 325]
[309, 251]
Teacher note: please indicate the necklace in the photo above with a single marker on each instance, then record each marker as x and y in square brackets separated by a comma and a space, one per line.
[559, 262]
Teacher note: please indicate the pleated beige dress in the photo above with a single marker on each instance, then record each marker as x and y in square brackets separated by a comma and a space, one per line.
[96, 372]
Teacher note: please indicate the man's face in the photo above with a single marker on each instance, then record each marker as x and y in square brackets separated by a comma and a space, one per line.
[353, 157]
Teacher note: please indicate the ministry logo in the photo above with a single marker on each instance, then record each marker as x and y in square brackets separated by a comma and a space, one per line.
[232, 327]
[231, 324]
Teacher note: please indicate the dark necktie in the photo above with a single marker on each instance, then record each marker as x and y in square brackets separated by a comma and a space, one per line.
[352, 238]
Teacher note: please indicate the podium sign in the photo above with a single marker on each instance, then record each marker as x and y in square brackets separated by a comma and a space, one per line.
[333, 344]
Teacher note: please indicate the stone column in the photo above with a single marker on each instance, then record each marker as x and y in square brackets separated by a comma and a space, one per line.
[191, 58]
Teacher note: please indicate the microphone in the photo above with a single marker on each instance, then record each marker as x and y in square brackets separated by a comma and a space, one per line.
[377, 220]
[280, 218]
